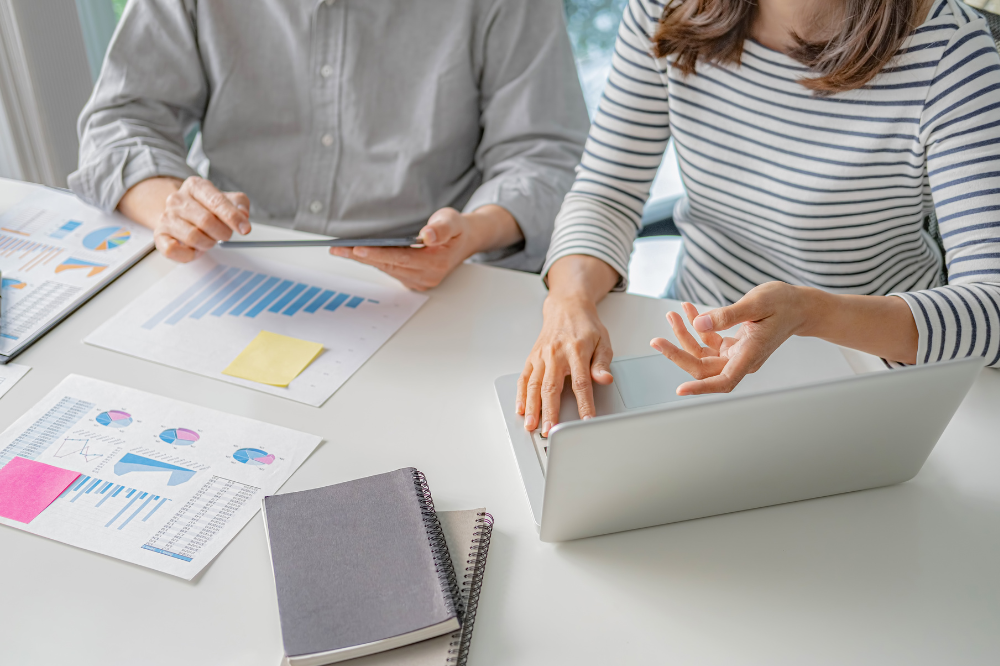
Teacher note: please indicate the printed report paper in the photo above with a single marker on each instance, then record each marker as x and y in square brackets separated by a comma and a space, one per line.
[55, 253]
[202, 315]
[10, 374]
[163, 484]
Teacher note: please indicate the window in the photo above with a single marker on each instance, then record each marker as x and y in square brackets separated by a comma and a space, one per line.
[593, 26]
[98, 19]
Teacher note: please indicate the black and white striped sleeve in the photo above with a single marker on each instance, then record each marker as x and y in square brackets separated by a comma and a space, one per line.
[960, 125]
[601, 215]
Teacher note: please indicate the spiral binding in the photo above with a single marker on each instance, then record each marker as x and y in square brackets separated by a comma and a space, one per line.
[439, 547]
[472, 582]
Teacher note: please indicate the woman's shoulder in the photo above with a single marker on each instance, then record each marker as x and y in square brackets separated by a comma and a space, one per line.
[951, 29]
[949, 20]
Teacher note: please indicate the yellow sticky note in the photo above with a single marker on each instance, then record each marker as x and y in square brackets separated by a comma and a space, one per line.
[273, 359]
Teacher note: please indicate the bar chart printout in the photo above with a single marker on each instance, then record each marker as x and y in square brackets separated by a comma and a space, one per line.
[245, 293]
[203, 314]
[56, 252]
[138, 497]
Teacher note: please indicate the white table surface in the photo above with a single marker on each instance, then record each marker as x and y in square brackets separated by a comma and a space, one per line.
[908, 574]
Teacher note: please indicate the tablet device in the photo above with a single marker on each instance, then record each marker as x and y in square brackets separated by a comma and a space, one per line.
[410, 241]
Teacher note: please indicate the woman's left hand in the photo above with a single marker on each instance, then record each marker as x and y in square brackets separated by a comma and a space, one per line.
[769, 314]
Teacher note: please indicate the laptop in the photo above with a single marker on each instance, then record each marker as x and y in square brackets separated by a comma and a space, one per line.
[651, 458]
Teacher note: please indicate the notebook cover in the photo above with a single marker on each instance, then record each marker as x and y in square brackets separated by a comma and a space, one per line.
[358, 562]
[468, 535]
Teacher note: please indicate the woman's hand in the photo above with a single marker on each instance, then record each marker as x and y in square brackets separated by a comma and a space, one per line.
[573, 343]
[769, 314]
[449, 237]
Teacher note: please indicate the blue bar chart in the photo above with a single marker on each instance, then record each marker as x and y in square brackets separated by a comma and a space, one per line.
[101, 503]
[236, 292]
[204, 314]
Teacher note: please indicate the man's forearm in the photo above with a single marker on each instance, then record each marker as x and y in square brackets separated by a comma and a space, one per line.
[494, 227]
[146, 201]
[879, 325]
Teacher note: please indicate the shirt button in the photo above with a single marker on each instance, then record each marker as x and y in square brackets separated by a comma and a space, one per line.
[316, 206]
[326, 71]
[327, 140]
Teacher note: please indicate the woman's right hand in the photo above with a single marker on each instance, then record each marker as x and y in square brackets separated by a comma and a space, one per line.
[573, 343]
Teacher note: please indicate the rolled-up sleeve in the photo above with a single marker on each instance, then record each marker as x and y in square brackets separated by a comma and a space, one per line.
[534, 123]
[151, 90]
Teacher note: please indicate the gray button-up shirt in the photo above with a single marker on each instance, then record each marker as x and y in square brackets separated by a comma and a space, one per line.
[345, 117]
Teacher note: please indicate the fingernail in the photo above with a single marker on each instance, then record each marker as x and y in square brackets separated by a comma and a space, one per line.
[244, 228]
[529, 423]
[429, 236]
[361, 252]
[519, 407]
[703, 323]
[587, 418]
[546, 428]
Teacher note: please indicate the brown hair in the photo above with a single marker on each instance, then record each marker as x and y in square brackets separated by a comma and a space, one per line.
[714, 31]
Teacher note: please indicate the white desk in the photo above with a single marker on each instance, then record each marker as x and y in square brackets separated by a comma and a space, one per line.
[907, 574]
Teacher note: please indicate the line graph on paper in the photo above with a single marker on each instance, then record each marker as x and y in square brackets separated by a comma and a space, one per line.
[79, 446]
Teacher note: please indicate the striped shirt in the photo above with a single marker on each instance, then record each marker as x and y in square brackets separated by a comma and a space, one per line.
[828, 192]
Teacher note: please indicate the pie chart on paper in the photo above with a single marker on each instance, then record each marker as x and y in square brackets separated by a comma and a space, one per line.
[179, 436]
[106, 239]
[114, 419]
[255, 457]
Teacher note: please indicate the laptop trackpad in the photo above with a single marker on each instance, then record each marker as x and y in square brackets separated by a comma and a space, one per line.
[648, 380]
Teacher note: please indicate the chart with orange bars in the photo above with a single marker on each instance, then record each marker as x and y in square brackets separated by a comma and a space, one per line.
[92, 267]
[30, 253]
[55, 252]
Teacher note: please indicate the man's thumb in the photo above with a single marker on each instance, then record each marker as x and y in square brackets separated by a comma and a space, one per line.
[441, 227]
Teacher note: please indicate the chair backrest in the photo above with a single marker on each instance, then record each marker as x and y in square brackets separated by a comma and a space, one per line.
[930, 222]
[994, 22]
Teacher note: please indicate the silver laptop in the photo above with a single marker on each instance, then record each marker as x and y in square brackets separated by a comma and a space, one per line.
[650, 458]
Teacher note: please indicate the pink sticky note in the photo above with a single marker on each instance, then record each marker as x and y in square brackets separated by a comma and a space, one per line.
[27, 487]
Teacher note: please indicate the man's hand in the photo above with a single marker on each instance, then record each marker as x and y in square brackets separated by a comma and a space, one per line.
[450, 237]
[187, 218]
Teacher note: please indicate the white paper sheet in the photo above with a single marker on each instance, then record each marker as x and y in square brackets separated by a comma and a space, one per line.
[55, 253]
[201, 316]
[164, 484]
[9, 375]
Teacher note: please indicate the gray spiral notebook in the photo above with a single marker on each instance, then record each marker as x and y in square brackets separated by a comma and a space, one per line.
[468, 535]
[359, 568]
